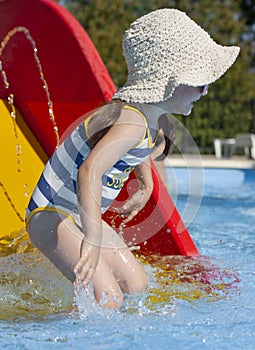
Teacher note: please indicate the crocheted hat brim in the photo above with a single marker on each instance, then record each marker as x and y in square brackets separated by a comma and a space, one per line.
[165, 49]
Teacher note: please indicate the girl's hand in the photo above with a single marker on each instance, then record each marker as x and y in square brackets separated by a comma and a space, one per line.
[86, 266]
[134, 204]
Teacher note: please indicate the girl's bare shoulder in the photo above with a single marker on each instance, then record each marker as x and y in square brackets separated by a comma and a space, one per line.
[131, 116]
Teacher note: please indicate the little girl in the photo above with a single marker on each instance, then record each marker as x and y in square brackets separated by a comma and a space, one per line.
[171, 62]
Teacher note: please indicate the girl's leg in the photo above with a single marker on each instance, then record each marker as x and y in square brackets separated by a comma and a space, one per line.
[127, 270]
[48, 233]
[60, 240]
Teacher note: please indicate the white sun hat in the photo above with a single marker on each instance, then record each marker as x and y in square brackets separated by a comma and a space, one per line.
[165, 49]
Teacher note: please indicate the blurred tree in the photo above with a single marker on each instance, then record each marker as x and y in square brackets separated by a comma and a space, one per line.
[248, 13]
[227, 110]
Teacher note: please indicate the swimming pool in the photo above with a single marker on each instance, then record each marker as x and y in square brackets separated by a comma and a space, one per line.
[203, 303]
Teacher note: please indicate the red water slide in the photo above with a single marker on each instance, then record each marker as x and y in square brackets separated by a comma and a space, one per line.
[48, 57]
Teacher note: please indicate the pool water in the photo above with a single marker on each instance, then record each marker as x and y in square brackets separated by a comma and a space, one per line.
[201, 303]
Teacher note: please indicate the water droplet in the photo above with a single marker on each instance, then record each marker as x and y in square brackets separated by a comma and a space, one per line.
[18, 149]
[104, 299]
[116, 298]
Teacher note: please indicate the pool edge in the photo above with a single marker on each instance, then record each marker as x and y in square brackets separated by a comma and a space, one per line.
[209, 161]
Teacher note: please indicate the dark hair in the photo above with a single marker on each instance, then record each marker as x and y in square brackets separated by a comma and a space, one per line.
[169, 134]
[105, 117]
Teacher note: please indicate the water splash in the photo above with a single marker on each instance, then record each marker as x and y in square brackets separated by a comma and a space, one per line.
[85, 301]
[88, 307]
[105, 298]
[16, 242]
[190, 279]
[30, 286]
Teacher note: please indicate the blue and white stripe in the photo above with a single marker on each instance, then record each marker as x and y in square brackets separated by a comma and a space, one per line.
[56, 187]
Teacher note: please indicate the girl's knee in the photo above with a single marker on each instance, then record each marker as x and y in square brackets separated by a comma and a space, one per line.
[110, 299]
[143, 283]
[136, 283]
[139, 283]
[107, 290]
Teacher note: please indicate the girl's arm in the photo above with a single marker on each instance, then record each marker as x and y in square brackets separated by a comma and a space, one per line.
[138, 200]
[126, 133]
[143, 173]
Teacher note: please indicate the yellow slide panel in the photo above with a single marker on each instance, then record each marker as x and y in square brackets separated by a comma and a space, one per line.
[21, 162]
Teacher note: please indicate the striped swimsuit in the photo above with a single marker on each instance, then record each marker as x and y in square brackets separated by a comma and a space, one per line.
[56, 188]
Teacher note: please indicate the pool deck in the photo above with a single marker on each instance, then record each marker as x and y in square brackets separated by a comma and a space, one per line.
[209, 161]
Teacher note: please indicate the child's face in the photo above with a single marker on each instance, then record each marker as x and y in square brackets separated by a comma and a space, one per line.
[183, 99]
